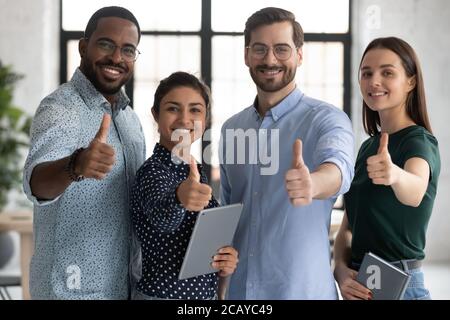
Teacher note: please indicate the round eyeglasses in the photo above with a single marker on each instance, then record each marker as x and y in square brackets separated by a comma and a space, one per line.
[280, 51]
[129, 53]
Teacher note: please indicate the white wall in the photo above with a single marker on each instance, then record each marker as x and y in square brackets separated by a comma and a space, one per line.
[29, 41]
[424, 24]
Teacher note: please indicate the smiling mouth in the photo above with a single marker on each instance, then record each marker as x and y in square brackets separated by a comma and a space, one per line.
[183, 130]
[377, 94]
[112, 72]
[270, 71]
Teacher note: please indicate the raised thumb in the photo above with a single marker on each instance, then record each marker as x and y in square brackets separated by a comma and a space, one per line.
[102, 133]
[384, 140]
[297, 158]
[193, 173]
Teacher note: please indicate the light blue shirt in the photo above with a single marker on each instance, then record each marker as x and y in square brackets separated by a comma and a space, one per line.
[83, 237]
[284, 251]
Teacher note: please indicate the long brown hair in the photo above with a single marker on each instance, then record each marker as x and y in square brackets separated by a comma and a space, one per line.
[416, 106]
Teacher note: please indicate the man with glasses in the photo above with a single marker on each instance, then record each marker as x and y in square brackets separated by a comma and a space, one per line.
[282, 237]
[86, 145]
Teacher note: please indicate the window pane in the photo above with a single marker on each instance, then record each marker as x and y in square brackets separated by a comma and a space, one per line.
[320, 76]
[152, 15]
[161, 56]
[317, 16]
[232, 86]
[73, 58]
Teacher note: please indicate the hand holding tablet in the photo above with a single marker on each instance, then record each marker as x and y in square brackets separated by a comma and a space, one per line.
[225, 261]
[213, 230]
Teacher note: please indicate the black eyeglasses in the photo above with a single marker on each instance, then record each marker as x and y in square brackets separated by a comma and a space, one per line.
[128, 52]
[280, 51]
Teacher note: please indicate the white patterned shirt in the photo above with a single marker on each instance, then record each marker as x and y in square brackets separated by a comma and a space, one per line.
[83, 237]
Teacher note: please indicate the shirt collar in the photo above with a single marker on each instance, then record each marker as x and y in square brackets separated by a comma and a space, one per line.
[90, 94]
[283, 107]
[165, 156]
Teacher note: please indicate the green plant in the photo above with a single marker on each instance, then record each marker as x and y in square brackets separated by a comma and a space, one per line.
[14, 132]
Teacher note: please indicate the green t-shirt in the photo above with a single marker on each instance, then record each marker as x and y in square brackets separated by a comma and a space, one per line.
[379, 222]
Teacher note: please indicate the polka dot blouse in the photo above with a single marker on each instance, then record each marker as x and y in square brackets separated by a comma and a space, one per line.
[164, 228]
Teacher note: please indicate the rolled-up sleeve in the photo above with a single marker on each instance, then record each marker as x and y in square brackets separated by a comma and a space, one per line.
[335, 145]
[54, 135]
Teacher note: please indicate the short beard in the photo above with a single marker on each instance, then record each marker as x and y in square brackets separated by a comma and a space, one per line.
[107, 90]
[102, 88]
[271, 86]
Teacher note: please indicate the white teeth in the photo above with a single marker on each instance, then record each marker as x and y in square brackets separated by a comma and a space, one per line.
[377, 94]
[111, 71]
[183, 131]
[271, 72]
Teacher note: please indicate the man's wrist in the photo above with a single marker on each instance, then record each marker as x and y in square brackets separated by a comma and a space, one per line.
[70, 166]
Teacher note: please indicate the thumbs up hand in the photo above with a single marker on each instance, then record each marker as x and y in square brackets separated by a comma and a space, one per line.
[298, 179]
[98, 159]
[192, 194]
[380, 167]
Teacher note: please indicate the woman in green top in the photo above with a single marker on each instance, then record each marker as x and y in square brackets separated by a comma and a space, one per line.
[391, 197]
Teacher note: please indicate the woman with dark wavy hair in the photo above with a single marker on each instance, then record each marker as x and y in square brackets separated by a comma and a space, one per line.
[391, 197]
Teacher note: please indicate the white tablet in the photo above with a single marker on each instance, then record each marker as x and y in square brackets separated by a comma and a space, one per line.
[213, 230]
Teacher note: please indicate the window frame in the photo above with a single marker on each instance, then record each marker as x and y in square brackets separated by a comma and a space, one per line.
[206, 35]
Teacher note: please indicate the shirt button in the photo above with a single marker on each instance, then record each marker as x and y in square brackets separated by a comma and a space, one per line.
[255, 194]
